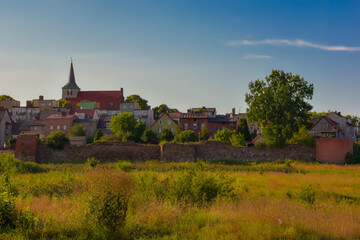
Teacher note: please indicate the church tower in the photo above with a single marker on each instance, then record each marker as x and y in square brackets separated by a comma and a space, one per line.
[71, 89]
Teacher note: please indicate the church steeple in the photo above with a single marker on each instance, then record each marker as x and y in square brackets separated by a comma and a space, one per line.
[71, 89]
[71, 84]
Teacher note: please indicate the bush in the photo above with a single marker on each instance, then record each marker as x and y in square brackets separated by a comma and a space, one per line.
[307, 194]
[166, 136]
[123, 166]
[149, 137]
[223, 135]
[92, 162]
[186, 136]
[303, 137]
[11, 142]
[98, 135]
[77, 131]
[205, 134]
[9, 164]
[260, 144]
[354, 158]
[57, 140]
[237, 140]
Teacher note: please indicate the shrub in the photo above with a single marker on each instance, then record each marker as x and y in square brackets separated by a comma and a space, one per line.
[260, 144]
[92, 162]
[11, 142]
[166, 136]
[57, 140]
[98, 135]
[307, 194]
[186, 136]
[77, 131]
[205, 134]
[149, 137]
[243, 128]
[223, 135]
[237, 140]
[354, 158]
[9, 164]
[124, 166]
[303, 137]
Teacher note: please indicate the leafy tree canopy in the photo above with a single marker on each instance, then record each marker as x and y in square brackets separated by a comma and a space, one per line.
[186, 136]
[243, 128]
[163, 108]
[223, 135]
[57, 140]
[166, 135]
[77, 130]
[124, 122]
[5, 97]
[63, 103]
[279, 103]
[205, 134]
[149, 137]
[136, 98]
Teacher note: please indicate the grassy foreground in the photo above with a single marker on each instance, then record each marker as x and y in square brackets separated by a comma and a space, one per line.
[154, 200]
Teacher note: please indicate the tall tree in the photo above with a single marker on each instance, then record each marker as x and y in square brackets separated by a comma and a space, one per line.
[279, 103]
[123, 123]
[136, 98]
[5, 97]
[204, 134]
[243, 128]
[163, 108]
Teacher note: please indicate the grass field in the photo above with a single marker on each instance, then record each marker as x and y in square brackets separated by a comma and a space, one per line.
[154, 200]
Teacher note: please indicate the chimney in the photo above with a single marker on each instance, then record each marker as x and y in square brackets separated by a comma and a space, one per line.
[233, 111]
[29, 104]
[41, 97]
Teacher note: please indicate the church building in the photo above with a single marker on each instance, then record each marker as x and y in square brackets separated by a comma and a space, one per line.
[105, 99]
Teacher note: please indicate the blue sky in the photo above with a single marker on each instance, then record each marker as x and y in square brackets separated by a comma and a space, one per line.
[182, 53]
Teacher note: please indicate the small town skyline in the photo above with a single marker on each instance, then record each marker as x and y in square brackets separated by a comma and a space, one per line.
[161, 50]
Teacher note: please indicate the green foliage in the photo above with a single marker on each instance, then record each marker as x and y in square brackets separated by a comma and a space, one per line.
[237, 140]
[260, 144]
[205, 134]
[63, 103]
[303, 137]
[92, 162]
[11, 142]
[186, 136]
[57, 140]
[280, 104]
[124, 166]
[136, 98]
[10, 165]
[243, 128]
[179, 128]
[77, 131]
[163, 108]
[98, 135]
[200, 110]
[224, 135]
[149, 137]
[123, 123]
[307, 194]
[5, 97]
[166, 135]
[353, 158]
[139, 131]
[253, 135]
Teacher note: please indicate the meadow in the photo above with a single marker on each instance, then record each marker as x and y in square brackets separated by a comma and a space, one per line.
[156, 200]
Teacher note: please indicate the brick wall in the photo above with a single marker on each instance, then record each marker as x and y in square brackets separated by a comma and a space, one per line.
[333, 150]
[26, 148]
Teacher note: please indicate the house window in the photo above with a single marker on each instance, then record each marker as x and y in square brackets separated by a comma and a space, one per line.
[49, 104]
[64, 127]
[124, 107]
[186, 126]
[57, 127]
[211, 129]
[251, 128]
[35, 128]
[43, 128]
[169, 122]
[51, 127]
[159, 130]
[202, 126]
[160, 122]
[217, 128]
[171, 130]
[195, 126]
[42, 104]
[131, 106]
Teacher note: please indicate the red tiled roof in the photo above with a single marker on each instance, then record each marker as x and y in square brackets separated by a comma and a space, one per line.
[195, 115]
[88, 112]
[332, 122]
[59, 116]
[174, 115]
[255, 138]
[104, 98]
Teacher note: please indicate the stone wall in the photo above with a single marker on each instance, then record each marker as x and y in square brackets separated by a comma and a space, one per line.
[170, 152]
[105, 151]
[26, 148]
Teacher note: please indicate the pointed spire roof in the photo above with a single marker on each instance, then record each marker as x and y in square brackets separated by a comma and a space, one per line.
[71, 84]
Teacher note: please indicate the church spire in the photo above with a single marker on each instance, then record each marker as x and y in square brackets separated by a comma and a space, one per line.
[71, 84]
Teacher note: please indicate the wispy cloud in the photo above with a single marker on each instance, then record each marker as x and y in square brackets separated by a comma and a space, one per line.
[253, 56]
[296, 43]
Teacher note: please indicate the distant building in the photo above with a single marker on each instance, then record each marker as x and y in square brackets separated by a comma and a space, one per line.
[5, 127]
[19, 114]
[45, 104]
[104, 99]
[104, 124]
[89, 125]
[33, 127]
[9, 104]
[61, 123]
[166, 121]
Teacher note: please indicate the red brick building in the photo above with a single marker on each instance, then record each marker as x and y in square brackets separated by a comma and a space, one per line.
[61, 123]
[106, 99]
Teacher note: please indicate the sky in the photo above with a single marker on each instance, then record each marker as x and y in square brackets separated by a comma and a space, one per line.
[187, 53]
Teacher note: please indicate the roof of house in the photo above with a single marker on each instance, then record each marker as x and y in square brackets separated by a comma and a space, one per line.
[204, 109]
[332, 122]
[71, 84]
[54, 116]
[175, 115]
[89, 113]
[47, 113]
[221, 119]
[106, 99]
[168, 114]
[194, 115]
[3, 112]
[102, 121]
[258, 137]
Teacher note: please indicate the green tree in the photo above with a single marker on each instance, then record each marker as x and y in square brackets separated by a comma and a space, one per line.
[136, 98]
[243, 128]
[63, 103]
[279, 103]
[166, 135]
[77, 130]
[123, 123]
[139, 131]
[204, 134]
[223, 135]
[150, 137]
[98, 135]
[303, 137]
[57, 140]
[5, 98]
[186, 136]
[163, 108]
[237, 140]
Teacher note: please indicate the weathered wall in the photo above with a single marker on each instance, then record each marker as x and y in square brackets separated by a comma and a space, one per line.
[25, 149]
[215, 150]
[333, 150]
[106, 151]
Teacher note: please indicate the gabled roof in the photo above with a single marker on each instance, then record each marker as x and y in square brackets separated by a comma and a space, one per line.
[195, 115]
[161, 115]
[71, 84]
[174, 116]
[332, 122]
[54, 116]
[221, 119]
